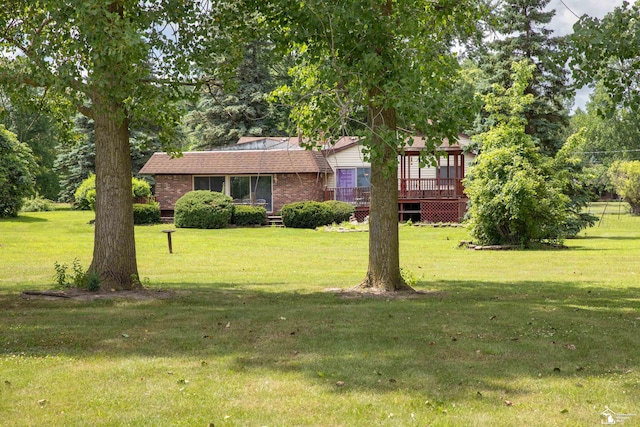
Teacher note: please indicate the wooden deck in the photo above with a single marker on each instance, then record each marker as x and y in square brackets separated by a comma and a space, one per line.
[424, 199]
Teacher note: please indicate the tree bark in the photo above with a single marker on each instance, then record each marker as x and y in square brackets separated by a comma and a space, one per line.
[114, 250]
[383, 273]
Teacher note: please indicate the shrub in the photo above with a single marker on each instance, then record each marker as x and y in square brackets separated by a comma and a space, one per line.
[148, 213]
[85, 194]
[37, 203]
[249, 215]
[141, 189]
[341, 211]
[77, 278]
[306, 215]
[203, 209]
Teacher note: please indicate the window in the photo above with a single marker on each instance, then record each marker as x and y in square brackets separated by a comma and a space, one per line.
[252, 189]
[364, 175]
[352, 184]
[212, 183]
[446, 172]
[353, 177]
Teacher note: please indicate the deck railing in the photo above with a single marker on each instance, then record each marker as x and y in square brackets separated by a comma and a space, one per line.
[430, 188]
[357, 196]
[422, 188]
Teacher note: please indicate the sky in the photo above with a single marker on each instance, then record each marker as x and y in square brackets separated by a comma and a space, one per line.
[565, 17]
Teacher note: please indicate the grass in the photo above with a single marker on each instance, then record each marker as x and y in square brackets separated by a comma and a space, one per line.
[252, 338]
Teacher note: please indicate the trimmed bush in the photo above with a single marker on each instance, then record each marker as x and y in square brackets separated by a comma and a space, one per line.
[203, 209]
[341, 211]
[306, 215]
[85, 194]
[249, 215]
[146, 213]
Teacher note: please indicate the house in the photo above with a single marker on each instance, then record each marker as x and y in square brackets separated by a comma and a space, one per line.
[426, 194]
[272, 172]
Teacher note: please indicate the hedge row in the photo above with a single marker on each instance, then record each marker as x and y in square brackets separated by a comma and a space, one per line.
[208, 209]
[315, 214]
[148, 213]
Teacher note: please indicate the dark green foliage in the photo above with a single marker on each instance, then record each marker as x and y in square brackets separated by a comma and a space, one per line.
[37, 203]
[244, 215]
[306, 215]
[523, 35]
[203, 209]
[148, 213]
[41, 121]
[17, 166]
[341, 211]
[76, 162]
[224, 114]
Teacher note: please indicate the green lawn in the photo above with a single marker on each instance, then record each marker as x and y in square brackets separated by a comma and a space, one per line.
[252, 338]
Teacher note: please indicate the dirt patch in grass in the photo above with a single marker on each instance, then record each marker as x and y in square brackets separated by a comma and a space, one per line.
[359, 292]
[84, 295]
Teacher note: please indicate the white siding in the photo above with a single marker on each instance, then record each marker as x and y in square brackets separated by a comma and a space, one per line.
[348, 158]
[352, 158]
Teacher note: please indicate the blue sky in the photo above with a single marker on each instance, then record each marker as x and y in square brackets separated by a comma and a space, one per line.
[564, 19]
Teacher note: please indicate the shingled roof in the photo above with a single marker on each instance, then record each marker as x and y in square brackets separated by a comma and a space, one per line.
[237, 162]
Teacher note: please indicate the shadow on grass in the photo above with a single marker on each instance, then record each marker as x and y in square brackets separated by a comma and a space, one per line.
[24, 218]
[466, 338]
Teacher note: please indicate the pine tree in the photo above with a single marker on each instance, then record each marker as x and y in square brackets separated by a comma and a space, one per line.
[223, 115]
[522, 33]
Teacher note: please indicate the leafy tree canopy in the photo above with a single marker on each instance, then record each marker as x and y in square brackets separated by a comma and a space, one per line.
[625, 177]
[116, 61]
[607, 50]
[42, 122]
[17, 169]
[385, 67]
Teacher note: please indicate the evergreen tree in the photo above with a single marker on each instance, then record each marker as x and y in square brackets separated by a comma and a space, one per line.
[514, 191]
[521, 33]
[226, 112]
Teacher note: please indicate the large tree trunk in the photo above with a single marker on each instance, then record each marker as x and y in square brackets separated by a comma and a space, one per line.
[114, 249]
[383, 273]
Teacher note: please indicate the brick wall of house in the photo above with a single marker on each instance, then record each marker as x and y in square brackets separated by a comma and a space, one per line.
[169, 188]
[290, 188]
[287, 188]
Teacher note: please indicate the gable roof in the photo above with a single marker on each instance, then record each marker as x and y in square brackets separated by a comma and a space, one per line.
[239, 162]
